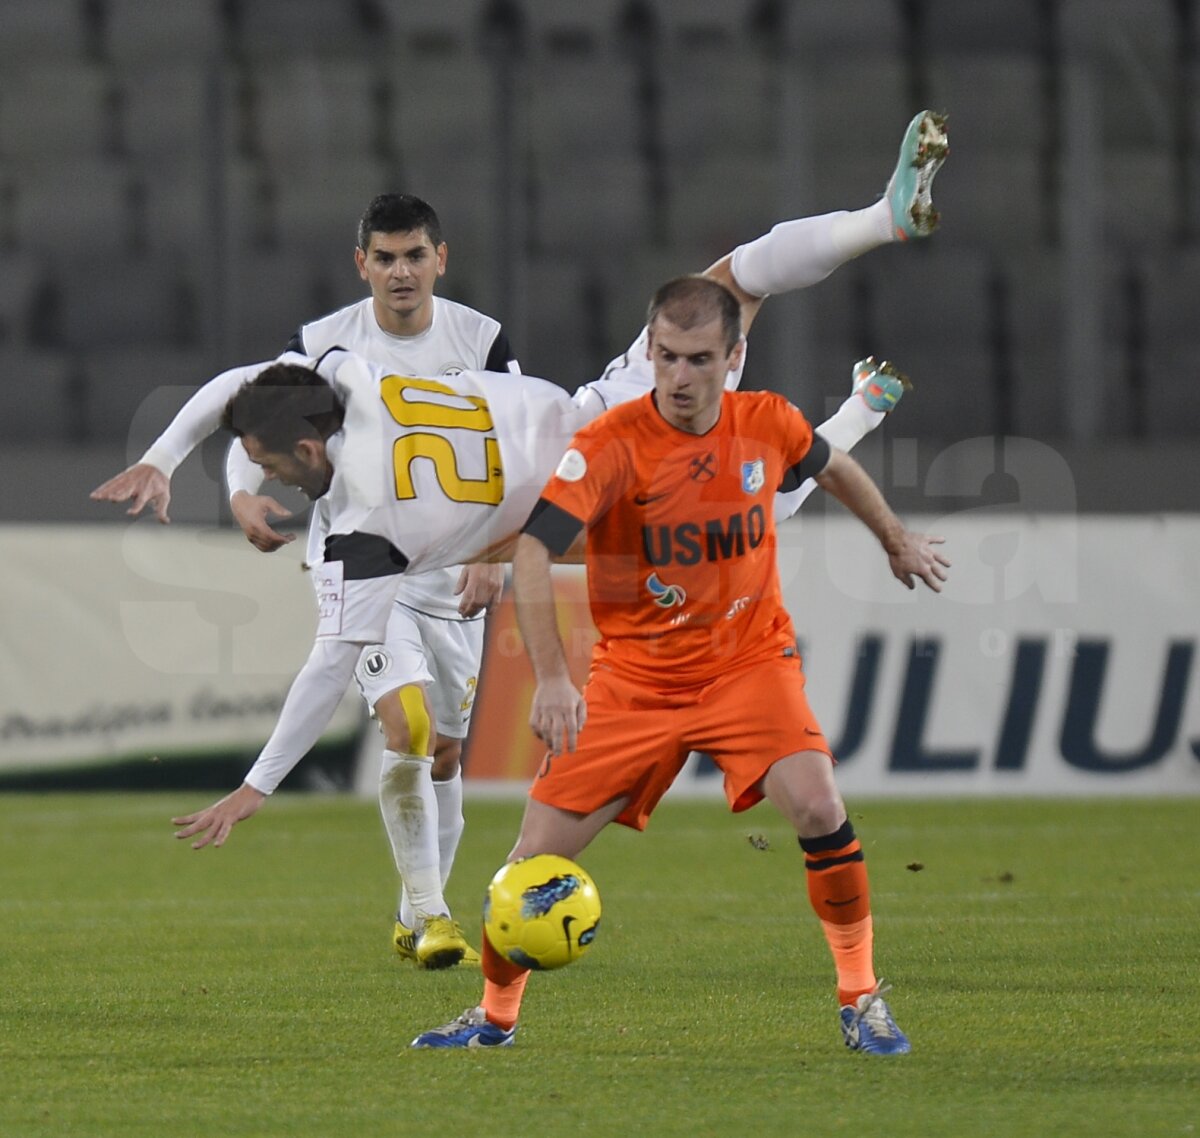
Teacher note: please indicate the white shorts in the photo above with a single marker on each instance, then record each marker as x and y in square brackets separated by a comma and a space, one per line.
[421, 649]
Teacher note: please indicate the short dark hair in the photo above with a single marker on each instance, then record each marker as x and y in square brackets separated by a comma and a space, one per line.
[283, 404]
[693, 300]
[398, 213]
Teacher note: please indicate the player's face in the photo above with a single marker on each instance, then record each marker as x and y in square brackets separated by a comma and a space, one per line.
[690, 366]
[307, 467]
[401, 269]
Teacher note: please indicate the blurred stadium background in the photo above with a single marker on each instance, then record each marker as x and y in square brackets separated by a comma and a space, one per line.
[180, 182]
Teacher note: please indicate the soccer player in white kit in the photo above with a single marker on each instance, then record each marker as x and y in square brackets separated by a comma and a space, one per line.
[794, 254]
[420, 682]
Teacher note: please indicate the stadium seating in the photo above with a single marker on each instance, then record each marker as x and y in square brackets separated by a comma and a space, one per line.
[449, 26]
[1172, 283]
[41, 403]
[21, 281]
[132, 391]
[50, 31]
[571, 27]
[166, 112]
[561, 334]
[328, 110]
[140, 32]
[53, 110]
[65, 204]
[264, 29]
[1033, 293]
[846, 30]
[123, 301]
[950, 29]
[243, 138]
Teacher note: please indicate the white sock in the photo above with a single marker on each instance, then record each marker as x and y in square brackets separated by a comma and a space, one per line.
[800, 253]
[450, 821]
[409, 808]
[846, 427]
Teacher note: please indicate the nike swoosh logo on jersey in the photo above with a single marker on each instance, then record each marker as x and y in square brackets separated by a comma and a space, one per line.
[646, 499]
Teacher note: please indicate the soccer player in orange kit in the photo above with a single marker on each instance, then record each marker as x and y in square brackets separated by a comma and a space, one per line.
[696, 650]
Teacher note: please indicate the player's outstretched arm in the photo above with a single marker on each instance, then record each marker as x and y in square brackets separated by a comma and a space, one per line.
[910, 555]
[141, 485]
[558, 710]
[148, 481]
[311, 701]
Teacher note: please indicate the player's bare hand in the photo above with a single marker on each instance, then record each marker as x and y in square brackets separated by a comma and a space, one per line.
[479, 588]
[916, 557]
[253, 513]
[142, 485]
[214, 822]
[557, 714]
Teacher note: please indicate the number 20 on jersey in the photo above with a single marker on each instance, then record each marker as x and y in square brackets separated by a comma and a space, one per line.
[402, 397]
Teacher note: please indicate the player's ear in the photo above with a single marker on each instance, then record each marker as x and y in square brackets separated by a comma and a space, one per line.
[360, 260]
[442, 253]
[309, 451]
[735, 357]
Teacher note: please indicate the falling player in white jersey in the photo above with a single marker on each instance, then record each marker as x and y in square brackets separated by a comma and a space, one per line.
[419, 682]
[794, 254]
[417, 474]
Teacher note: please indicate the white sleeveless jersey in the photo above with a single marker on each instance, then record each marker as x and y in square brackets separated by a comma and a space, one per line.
[458, 339]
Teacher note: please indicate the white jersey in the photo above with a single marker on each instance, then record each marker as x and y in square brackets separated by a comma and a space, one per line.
[427, 473]
[430, 473]
[458, 339]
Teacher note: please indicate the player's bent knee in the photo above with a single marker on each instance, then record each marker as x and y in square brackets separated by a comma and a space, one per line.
[406, 720]
[447, 758]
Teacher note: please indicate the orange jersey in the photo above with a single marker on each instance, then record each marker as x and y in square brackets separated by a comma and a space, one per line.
[681, 543]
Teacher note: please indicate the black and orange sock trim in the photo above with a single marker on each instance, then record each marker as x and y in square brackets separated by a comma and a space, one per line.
[837, 876]
[833, 849]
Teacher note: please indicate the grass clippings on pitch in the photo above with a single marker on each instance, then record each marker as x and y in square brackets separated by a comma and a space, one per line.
[1043, 956]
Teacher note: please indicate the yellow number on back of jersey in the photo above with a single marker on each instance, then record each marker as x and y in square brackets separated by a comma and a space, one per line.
[418, 412]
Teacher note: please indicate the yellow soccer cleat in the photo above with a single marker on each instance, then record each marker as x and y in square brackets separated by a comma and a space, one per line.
[440, 944]
[404, 942]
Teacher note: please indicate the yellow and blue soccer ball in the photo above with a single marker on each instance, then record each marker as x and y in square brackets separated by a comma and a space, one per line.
[541, 911]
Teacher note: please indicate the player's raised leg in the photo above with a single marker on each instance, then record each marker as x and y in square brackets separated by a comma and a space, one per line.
[804, 251]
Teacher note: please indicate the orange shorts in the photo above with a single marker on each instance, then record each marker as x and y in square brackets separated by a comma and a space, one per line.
[636, 740]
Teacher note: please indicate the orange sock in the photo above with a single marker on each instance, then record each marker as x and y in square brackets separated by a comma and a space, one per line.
[840, 896]
[503, 986]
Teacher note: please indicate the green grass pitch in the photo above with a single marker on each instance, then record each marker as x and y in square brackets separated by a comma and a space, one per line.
[1044, 957]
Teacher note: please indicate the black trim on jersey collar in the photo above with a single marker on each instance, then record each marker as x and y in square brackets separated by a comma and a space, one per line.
[809, 466]
[552, 526]
[326, 352]
[364, 555]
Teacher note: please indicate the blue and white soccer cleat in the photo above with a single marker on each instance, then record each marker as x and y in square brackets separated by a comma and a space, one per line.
[880, 384]
[867, 1025]
[471, 1030]
[909, 191]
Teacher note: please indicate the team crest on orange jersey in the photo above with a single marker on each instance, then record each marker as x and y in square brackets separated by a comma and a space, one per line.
[753, 476]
